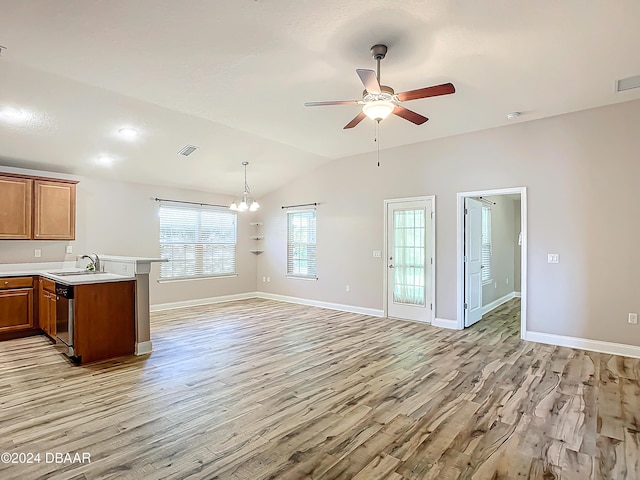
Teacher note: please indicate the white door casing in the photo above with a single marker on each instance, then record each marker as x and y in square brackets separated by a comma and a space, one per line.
[409, 259]
[472, 261]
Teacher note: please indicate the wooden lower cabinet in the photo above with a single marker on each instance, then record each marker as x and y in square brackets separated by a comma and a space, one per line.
[104, 322]
[47, 307]
[16, 309]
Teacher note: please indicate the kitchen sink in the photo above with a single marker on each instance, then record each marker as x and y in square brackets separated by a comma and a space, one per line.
[69, 274]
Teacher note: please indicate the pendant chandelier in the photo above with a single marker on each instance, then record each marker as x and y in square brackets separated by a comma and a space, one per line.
[247, 202]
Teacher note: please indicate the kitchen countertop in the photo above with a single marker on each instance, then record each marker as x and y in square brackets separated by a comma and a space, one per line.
[69, 279]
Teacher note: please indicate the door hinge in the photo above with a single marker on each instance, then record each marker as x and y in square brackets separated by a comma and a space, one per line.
[431, 306]
[465, 306]
[466, 211]
[464, 259]
[431, 214]
[431, 260]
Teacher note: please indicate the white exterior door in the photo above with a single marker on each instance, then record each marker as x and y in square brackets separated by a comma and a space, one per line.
[409, 260]
[473, 261]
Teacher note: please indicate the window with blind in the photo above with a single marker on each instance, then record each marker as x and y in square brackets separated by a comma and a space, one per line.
[486, 245]
[198, 241]
[301, 243]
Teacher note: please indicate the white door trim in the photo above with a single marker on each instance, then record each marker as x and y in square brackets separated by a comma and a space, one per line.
[385, 253]
[523, 257]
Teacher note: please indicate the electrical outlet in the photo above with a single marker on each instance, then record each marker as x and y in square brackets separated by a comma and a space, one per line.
[264, 279]
[633, 318]
[268, 279]
[348, 288]
[69, 248]
[37, 253]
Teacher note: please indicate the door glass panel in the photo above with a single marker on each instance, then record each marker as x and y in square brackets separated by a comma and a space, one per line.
[409, 256]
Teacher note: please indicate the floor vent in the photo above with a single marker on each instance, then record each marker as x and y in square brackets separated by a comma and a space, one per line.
[188, 150]
[628, 83]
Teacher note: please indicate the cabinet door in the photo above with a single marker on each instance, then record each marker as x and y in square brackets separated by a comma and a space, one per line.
[15, 208]
[52, 315]
[55, 210]
[16, 311]
[43, 308]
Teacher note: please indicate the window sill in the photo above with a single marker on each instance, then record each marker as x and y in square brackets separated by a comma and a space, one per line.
[189, 279]
[309, 279]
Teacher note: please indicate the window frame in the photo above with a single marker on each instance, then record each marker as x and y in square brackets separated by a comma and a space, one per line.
[228, 228]
[290, 260]
[487, 246]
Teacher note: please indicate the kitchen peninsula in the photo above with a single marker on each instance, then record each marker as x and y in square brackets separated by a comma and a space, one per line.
[95, 315]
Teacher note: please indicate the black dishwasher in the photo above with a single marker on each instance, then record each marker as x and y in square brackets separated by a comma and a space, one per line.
[64, 316]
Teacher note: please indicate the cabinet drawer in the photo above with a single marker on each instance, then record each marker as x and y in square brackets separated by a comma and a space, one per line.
[16, 282]
[48, 285]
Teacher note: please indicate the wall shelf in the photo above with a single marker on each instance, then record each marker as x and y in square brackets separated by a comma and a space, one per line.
[257, 236]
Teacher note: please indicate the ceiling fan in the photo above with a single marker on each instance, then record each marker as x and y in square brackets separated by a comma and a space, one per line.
[378, 101]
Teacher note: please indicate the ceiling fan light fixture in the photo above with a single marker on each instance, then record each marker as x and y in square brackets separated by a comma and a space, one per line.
[378, 110]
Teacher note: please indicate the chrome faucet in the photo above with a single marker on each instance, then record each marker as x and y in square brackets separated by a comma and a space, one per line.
[94, 261]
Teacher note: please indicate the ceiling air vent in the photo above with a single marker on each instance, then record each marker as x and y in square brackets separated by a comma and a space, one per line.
[188, 150]
[628, 83]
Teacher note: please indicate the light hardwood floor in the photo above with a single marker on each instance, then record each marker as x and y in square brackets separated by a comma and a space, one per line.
[259, 389]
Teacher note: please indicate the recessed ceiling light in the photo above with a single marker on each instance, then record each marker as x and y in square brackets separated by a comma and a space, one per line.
[513, 115]
[10, 112]
[104, 160]
[128, 132]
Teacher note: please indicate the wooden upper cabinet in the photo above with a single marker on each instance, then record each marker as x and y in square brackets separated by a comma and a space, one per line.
[54, 210]
[15, 207]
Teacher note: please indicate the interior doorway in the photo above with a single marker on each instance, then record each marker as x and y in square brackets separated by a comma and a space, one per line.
[410, 259]
[492, 258]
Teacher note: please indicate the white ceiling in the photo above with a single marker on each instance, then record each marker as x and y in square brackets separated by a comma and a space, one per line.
[231, 76]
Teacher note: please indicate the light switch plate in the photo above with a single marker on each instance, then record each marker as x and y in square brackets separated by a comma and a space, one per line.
[633, 318]
[69, 248]
[553, 258]
[37, 253]
[377, 253]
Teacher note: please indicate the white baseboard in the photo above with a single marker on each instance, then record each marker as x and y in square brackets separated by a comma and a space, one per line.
[517, 294]
[445, 323]
[143, 348]
[201, 301]
[496, 303]
[316, 303]
[585, 344]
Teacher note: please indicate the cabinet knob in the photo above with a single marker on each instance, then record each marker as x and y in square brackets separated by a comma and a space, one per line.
[6, 283]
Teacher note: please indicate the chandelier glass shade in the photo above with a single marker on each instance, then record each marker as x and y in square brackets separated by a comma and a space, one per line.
[247, 202]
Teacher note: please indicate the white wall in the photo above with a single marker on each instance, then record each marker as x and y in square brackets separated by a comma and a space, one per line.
[581, 171]
[119, 218]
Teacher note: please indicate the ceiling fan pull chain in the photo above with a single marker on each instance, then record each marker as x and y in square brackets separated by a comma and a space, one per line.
[377, 139]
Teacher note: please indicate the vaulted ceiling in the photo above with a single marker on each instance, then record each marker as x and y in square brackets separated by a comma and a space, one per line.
[232, 76]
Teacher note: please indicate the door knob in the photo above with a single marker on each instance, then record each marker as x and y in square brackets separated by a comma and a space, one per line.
[391, 266]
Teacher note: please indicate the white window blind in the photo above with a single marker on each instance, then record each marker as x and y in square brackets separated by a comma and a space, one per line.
[199, 241]
[301, 243]
[486, 245]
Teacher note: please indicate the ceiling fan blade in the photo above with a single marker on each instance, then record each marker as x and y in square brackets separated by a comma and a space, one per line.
[358, 118]
[339, 102]
[436, 90]
[407, 114]
[369, 80]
